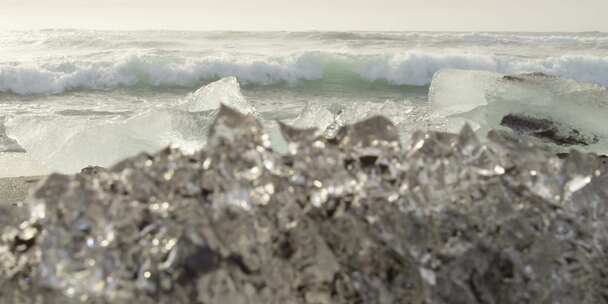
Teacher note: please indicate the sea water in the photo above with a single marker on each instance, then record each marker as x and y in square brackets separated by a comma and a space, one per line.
[73, 98]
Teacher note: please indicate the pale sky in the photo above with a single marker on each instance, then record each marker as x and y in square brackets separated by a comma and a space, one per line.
[449, 15]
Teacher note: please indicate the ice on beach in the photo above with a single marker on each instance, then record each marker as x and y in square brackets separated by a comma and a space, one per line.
[353, 219]
[329, 118]
[69, 143]
[224, 91]
[484, 99]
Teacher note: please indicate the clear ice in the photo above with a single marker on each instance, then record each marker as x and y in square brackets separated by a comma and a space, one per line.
[355, 218]
[575, 112]
[67, 143]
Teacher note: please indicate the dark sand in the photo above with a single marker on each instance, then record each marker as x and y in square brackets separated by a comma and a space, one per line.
[16, 189]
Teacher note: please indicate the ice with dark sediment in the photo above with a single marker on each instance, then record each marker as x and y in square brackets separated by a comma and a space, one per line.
[355, 218]
[561, 112]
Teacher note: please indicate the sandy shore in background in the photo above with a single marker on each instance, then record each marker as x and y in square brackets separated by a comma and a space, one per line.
[15, 189]
[20, 164]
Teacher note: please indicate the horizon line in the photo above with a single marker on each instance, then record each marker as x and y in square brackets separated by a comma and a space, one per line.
[59, 28]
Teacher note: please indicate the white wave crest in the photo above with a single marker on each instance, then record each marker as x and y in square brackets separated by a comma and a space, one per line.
[408, 68]
[418, 68]
[156, 71]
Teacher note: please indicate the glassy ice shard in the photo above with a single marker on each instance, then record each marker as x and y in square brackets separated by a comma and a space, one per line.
[351, 219]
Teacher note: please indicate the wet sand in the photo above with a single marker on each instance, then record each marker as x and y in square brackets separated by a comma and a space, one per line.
[16, 189]
[18, 174]
[20, 164]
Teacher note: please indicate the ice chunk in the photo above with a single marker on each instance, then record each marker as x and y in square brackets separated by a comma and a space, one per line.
[295, 135]
[315, 116]
[225, 91]
[232, 125]
[453, 220]
[329, 118]
[547, 129]
[459, 91]
[68, 143]
[373, 131]
[558, 111]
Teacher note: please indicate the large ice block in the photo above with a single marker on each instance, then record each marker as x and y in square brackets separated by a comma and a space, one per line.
[353, 219]
[67, 143]
[574, 112]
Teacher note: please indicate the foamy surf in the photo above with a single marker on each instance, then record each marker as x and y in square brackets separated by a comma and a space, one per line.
[414, 68]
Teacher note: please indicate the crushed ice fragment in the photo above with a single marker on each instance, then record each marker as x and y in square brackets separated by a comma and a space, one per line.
[296, 135]
[354, 219]
[370, 132]
[230, 125]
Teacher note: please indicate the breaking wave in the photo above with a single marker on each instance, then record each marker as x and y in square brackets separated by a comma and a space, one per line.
[414, 68]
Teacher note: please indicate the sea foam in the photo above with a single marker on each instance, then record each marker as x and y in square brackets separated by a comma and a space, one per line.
[415, 68]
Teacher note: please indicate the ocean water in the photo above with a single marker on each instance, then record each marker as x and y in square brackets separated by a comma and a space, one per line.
[72, 98]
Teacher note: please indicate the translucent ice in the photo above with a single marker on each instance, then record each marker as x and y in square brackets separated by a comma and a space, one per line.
[356, 218]
[535, 104]
[225, 91]
[328, 118]
[67, 143]
[459, 91]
